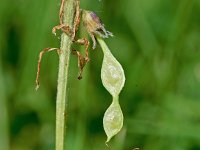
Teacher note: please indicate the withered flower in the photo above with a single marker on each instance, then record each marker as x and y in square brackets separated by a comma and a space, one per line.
[94, 26]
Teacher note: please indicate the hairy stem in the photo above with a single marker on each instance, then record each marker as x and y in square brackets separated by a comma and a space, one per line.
[66, 42]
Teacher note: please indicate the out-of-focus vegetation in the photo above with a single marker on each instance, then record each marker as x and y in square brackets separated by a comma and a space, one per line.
[156, 41]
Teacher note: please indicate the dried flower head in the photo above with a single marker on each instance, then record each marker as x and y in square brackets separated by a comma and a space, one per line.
[94, 26]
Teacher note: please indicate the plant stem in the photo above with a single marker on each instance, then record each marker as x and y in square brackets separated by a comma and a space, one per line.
[4, 130]
[4, 117]
[66, 42]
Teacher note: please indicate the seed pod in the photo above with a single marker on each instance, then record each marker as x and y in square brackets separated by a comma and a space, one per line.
[113, 119]
[113, 79]
[112, 73]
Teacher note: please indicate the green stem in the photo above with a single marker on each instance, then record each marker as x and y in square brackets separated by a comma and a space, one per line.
[4, 136]
[4, 130]
[105, 48]
[66, 42]
[4, 117]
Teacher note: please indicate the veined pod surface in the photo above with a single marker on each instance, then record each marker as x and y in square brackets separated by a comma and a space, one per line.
[113, 79]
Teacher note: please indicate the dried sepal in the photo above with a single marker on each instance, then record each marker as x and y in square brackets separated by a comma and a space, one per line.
[113, 119]
[48, 49]
[82, 61]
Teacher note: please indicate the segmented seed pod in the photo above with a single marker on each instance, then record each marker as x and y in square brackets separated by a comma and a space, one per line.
[113, 79]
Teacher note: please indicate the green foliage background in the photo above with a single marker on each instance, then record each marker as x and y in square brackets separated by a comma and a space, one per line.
[156, 41]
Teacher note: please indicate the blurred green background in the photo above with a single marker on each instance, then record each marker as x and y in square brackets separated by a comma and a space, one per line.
[156, 41]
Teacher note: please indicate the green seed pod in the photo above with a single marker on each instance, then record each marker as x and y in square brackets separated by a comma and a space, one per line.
[113, 79]
[113, 119]
[112, 73]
